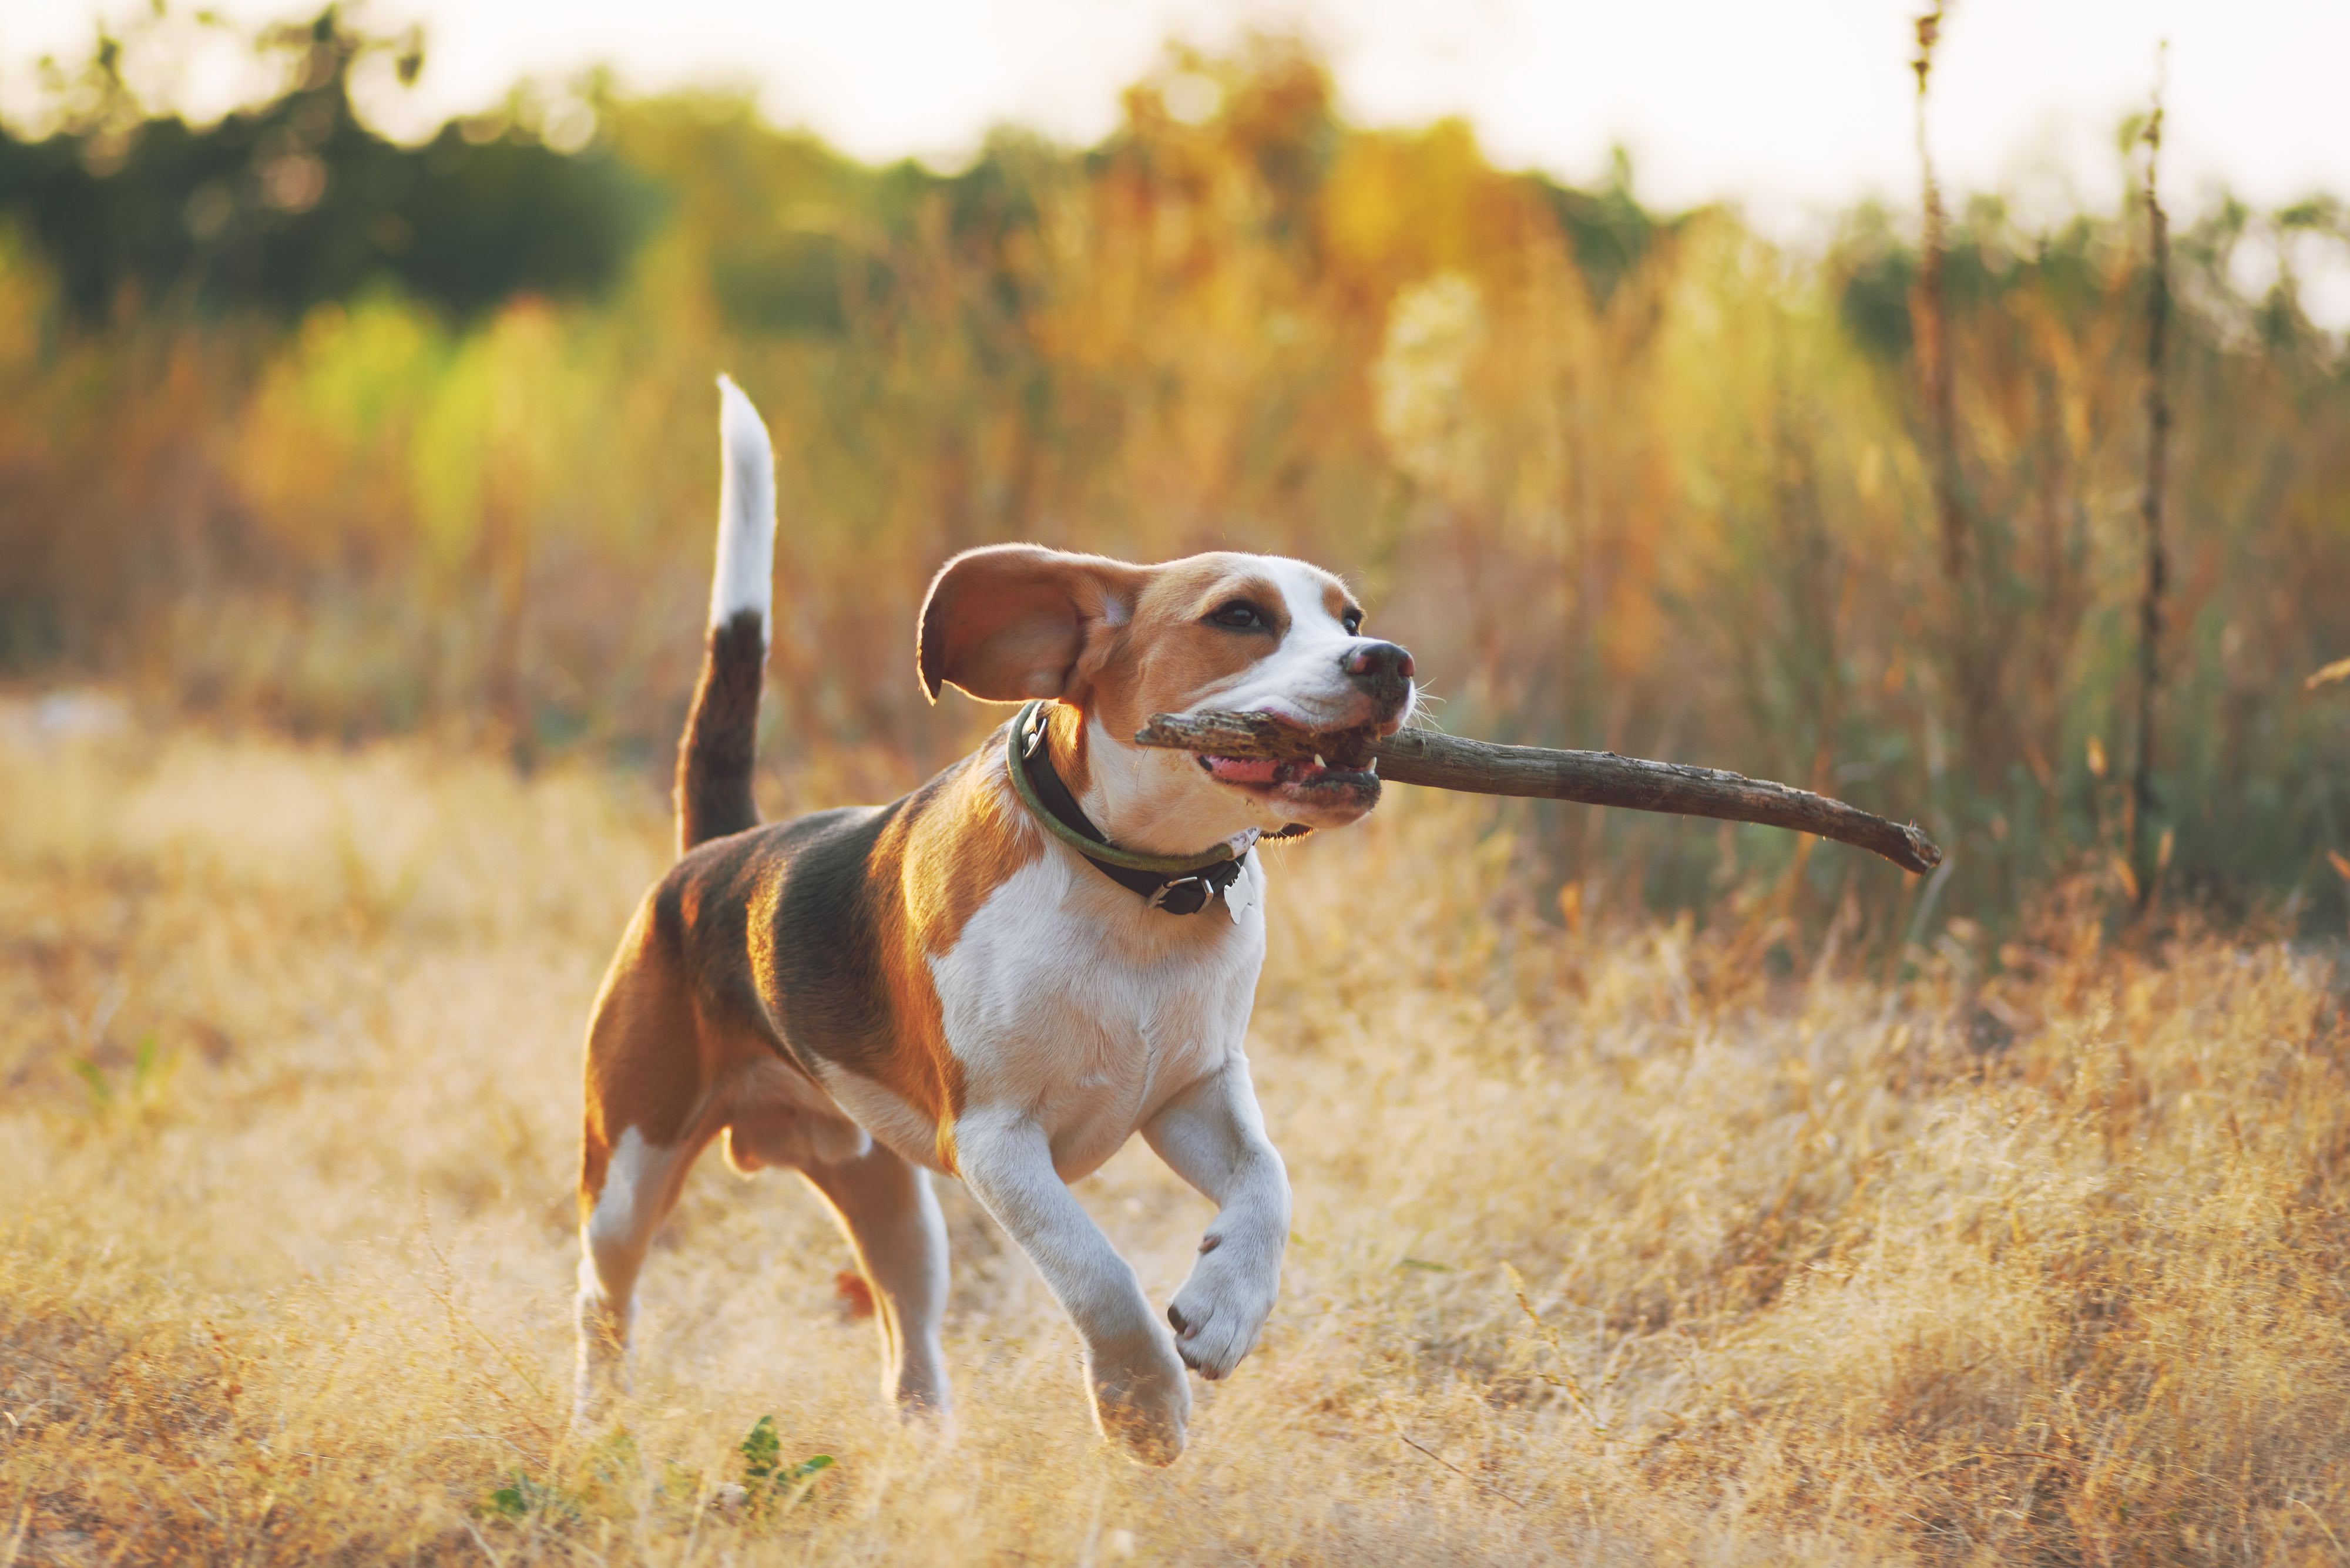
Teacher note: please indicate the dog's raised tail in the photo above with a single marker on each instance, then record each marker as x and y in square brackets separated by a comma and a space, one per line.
[722, 730]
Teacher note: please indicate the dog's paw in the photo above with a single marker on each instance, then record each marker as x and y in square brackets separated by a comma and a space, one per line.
[595, 1412]
[597, 1399]
[1221, 1308]
[602, 1378]
[923, 1403]
[1141, 1400]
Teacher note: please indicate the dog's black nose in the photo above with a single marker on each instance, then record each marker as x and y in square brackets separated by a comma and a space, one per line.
[1377, 663]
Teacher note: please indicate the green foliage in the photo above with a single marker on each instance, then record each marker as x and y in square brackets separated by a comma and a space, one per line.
[295, 201]
[1609, 230]
[521, 1498]
[137, 1091]
[1621, 478]
[766, 1478]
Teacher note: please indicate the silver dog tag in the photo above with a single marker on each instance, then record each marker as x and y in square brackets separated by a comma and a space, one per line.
[1240, 897]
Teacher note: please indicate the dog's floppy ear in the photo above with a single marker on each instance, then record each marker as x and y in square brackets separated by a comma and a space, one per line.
[1008, 622]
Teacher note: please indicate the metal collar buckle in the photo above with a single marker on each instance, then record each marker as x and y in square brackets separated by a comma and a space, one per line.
[1183, 896]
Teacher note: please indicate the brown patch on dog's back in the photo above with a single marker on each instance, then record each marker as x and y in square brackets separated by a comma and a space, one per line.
[811, 940]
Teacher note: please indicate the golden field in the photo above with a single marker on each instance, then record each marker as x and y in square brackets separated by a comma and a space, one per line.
[2032, 1256]
[1666, 1193]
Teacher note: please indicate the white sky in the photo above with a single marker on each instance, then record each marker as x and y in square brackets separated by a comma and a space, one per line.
[1791, 107]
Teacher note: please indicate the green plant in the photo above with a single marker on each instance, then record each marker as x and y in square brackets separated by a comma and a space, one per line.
[522, 1497]
[141, 1090]
[766, 1477]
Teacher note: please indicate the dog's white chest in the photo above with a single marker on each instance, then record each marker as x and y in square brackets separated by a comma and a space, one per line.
[1068, 999]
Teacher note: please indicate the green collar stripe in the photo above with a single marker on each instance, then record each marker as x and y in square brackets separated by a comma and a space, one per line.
[1015, 756]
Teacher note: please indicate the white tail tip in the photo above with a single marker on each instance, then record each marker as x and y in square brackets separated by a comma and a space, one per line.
[746, 513]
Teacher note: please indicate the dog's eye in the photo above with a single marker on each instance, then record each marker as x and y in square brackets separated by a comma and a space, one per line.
[1352, 620]
[1240, 616]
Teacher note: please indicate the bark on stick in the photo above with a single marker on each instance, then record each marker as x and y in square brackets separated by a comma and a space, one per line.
[1592, 778]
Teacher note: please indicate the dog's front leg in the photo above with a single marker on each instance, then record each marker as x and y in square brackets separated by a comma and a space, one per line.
[1140, 1397]
[1213, 1138]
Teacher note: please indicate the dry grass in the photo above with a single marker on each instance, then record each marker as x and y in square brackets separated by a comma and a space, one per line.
[2047, 1269]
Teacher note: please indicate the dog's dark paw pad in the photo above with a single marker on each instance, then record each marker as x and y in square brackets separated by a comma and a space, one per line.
[1175, 1316]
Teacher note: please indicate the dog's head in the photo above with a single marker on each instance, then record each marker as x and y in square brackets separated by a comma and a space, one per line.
[1119, 643]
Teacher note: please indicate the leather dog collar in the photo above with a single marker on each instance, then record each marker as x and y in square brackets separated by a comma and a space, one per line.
[1178, 884]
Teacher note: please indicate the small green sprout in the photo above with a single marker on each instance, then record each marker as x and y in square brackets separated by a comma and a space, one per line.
[140, 1091]
[764, 1474]
[521, 1497]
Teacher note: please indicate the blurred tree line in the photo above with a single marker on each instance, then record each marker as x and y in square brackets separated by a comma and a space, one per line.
[301, 423]
[295, 201]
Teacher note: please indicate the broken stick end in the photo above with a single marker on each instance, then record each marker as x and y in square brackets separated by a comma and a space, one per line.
[1925, 855]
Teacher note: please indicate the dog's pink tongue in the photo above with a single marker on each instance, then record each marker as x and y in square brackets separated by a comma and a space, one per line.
[1244, 769]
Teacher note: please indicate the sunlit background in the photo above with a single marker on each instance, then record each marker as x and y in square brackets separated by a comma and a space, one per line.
[1666, 1191]
[360, 375]
[1792, 110]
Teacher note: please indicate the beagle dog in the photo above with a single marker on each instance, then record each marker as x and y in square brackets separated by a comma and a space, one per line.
[1002, 977]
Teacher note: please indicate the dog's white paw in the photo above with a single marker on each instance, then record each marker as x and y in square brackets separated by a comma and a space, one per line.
[601, 1380]
[1141, 1399]
[596, 1404]
[1221, 1308]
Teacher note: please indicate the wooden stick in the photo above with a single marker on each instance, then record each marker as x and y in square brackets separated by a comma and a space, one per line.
[1594, 778]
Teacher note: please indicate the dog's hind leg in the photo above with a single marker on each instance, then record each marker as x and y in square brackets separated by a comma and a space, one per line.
[643, 1080]
[640, 1187]
[891, 1218]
